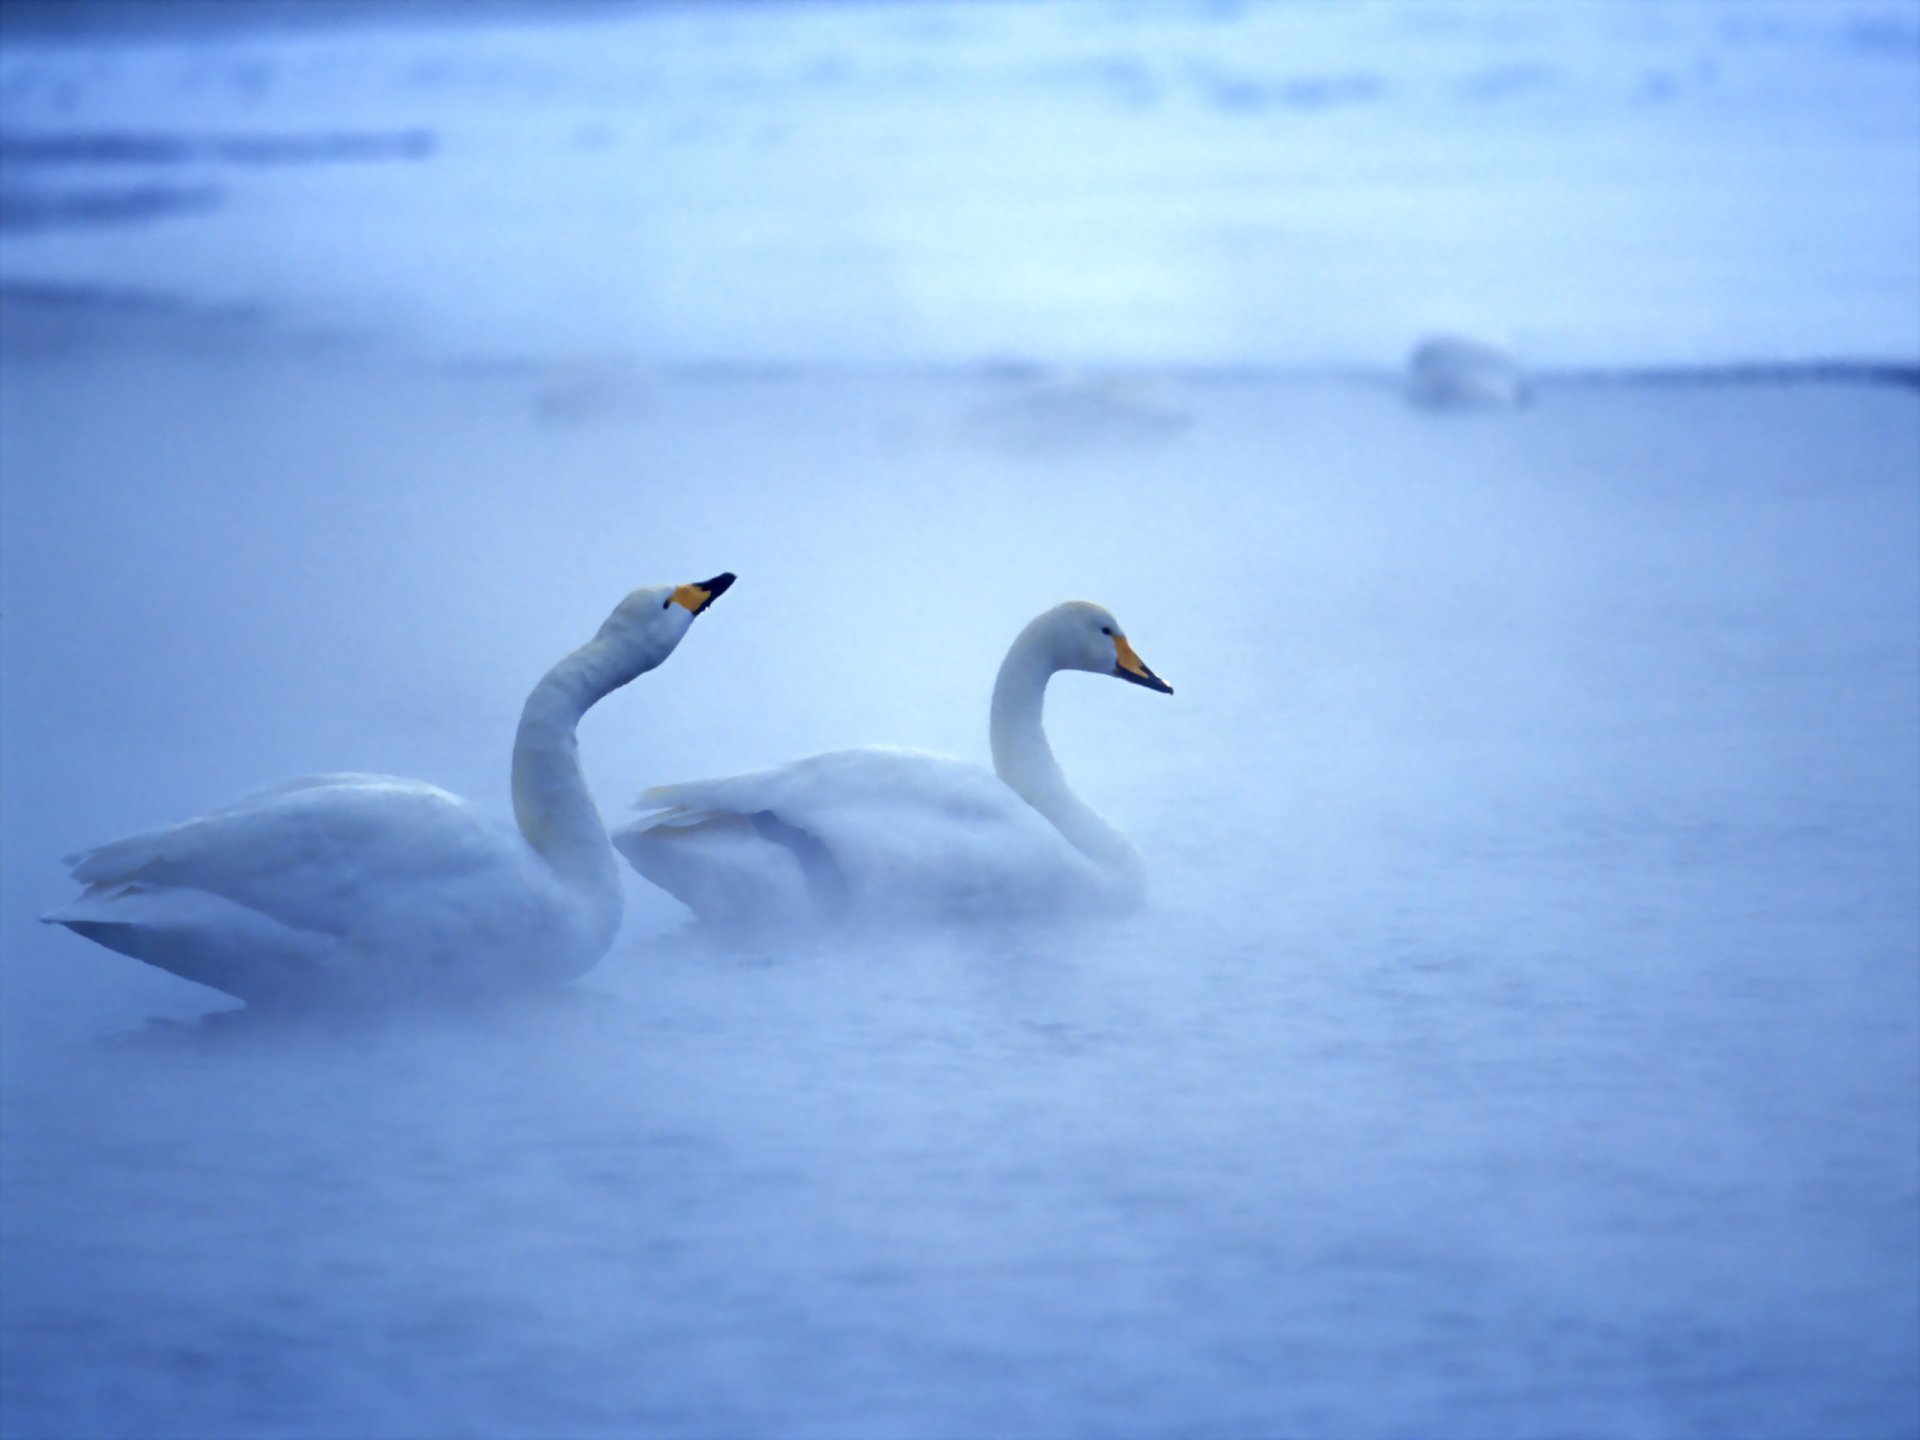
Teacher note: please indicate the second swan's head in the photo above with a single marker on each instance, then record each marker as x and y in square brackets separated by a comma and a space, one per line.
[1087, 637]
[652, 620]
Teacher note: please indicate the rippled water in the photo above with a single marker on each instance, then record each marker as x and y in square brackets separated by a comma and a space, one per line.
[1193, 1177]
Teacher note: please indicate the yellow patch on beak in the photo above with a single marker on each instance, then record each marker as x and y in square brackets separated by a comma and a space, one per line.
[693, 597]
[1129, 666]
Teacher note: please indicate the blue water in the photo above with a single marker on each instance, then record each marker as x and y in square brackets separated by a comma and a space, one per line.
[1524, 1035]
[1522, 1039]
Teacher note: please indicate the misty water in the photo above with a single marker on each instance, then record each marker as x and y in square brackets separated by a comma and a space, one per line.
[1522, 1037]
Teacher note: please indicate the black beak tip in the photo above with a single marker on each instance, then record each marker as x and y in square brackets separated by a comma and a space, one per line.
[717, 586]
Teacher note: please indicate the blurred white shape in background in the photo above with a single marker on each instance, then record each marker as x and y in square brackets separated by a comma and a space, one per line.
[1057, 413]
[1454, 372]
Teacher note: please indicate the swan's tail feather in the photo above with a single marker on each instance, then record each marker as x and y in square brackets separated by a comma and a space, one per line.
[91, 903]
[198, 936]
[118, 862]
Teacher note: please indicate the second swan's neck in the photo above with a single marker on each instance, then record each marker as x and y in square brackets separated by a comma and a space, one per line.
[1024, 761]
[550, 800]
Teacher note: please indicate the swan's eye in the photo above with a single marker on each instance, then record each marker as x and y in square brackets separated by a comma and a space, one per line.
[1106, 629]
[666, 603]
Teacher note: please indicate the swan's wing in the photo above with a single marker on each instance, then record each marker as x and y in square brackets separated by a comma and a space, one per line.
[821, 785]
[310, 854]
[119, 858]
[878, 829]
[723, 868]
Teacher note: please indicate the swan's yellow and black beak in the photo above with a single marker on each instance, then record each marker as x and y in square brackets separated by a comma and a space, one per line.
[1129, 666]
[698, 596]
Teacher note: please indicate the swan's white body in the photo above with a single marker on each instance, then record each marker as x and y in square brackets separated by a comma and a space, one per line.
[881, 834]
[367, 887]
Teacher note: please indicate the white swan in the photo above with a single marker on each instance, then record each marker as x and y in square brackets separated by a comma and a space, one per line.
[367, 887]
[888, 834]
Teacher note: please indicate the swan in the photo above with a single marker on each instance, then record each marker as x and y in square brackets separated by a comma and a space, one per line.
[888, 834]
[367, 887]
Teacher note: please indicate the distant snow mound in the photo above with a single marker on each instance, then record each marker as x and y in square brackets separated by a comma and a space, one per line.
[1049, 415]
[1453, 372]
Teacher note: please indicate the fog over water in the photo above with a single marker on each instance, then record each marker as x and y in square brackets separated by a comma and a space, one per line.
[1523, 1035]
[1295, 185]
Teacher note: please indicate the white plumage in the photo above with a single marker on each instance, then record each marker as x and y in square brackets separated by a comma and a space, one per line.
[882, 834]
[368, 887]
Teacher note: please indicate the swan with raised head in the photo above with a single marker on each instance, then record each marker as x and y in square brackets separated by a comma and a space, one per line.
[367, 887]
[888, 834]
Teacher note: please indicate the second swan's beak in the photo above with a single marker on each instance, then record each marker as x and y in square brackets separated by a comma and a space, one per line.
[1129, 666]
[698, 596]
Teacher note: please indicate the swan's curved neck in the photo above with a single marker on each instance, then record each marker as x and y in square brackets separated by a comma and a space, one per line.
[1023, 759]
[550, 799]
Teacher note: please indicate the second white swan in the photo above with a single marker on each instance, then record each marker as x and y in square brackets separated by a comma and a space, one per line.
[881, 833]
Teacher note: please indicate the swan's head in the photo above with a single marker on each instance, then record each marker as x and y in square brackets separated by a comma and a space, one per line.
[1087, 637]
[654, 619]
